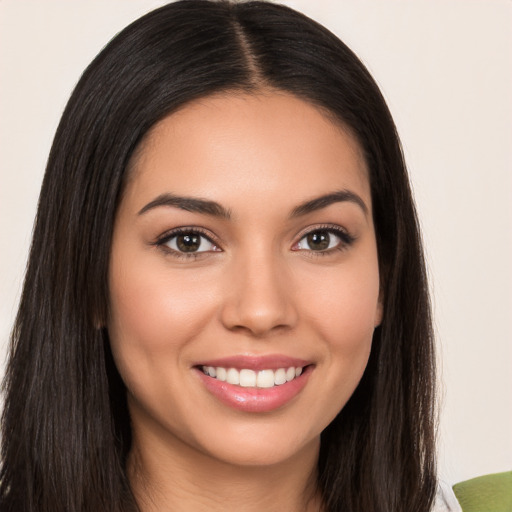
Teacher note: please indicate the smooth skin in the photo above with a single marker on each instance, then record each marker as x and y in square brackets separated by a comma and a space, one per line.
[251, 283]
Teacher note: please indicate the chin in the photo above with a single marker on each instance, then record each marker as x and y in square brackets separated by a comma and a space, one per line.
[252, 457]
[256, 446]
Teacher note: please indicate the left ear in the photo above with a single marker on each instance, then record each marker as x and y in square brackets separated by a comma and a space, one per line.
[379, 312]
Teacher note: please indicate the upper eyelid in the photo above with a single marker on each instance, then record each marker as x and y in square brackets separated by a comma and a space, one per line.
[336, 228]
[163, 240]
[167, 235]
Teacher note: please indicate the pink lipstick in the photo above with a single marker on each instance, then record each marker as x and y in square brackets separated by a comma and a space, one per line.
[255, 383]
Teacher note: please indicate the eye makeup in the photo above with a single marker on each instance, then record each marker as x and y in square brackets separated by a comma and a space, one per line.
[192, 242]
[187, 242]
[323, 240]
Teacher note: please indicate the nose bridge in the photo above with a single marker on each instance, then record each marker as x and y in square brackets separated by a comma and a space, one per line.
[261, 294]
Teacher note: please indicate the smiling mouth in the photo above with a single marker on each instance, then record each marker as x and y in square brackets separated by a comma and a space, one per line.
[247, 378]
[255, 385]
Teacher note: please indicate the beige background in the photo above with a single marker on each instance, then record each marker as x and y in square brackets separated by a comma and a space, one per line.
[445, 69]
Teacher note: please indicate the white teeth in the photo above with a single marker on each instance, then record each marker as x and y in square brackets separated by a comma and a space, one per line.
[247, 378]
[233, 376]
[265, 379]
[280, 376]
[250, 378]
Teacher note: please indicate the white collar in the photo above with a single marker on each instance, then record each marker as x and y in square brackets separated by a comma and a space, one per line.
[445, 499]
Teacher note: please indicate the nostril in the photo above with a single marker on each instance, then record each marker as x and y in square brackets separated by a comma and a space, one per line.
[259, 330]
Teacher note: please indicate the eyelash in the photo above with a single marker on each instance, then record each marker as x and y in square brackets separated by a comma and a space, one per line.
[346, 241]
[169, 235]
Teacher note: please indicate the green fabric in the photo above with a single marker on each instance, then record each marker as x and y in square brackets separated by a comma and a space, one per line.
[489, 493]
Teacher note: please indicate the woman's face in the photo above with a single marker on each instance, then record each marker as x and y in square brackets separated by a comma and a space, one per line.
[243, 255]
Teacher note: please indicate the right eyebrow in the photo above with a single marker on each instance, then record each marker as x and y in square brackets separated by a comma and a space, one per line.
[189, 204]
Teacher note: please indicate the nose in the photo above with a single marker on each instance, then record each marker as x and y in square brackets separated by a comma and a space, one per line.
[260, 297]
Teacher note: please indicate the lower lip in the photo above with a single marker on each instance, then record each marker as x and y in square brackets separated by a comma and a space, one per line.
[255, 399]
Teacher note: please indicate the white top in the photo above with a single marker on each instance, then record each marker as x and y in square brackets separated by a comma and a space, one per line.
[445, 499]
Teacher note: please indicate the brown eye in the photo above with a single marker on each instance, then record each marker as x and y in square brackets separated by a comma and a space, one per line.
[321, 240]
[190, 242]
[318, 240]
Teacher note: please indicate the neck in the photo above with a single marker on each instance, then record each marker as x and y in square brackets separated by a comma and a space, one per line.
[178, 477]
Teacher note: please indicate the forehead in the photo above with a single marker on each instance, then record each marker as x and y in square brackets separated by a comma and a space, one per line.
[237, 143]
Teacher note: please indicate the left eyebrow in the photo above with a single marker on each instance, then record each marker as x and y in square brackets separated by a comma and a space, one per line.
[318, 203]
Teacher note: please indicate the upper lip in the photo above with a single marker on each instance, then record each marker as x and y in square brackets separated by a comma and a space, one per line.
[256, 363]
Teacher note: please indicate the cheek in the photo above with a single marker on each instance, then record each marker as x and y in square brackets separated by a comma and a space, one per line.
[344, 316]
[346, 326]
[346, 308]
[154, 315]
[151, 306]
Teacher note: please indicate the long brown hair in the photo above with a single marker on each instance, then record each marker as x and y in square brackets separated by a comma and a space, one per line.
[65, 426]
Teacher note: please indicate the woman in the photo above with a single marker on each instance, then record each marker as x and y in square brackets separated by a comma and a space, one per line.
[225, 303]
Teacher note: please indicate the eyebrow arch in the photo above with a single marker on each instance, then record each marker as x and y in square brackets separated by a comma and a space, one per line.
[189, 204]
[326, 200]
